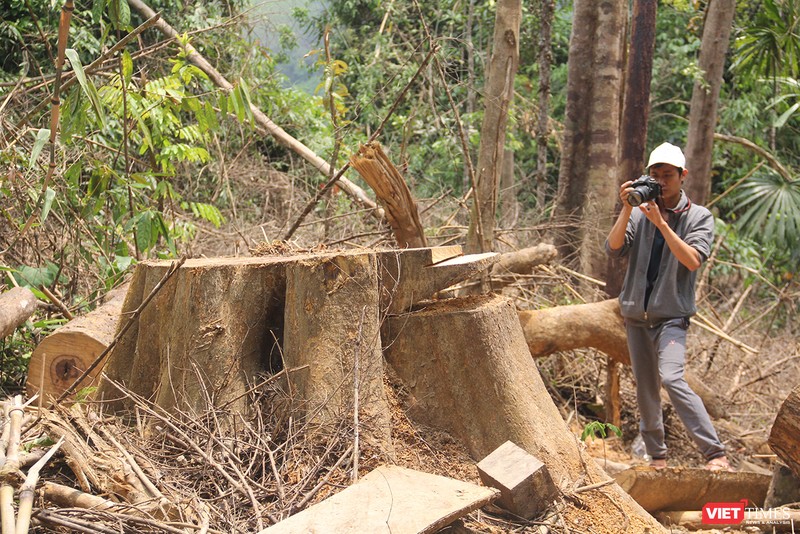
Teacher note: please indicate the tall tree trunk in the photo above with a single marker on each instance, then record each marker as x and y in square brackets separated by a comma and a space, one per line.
[635, 109]
[586, 183]
[498, 94]
[703, 109]
[509, 207]
[470, 51]
[547, 7]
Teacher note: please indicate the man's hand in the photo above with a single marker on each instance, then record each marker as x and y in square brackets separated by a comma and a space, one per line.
[653, 214]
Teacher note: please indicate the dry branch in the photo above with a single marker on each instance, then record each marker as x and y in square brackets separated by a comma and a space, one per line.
[27, 493]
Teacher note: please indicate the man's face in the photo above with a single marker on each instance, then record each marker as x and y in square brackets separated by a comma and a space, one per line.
[669, 177]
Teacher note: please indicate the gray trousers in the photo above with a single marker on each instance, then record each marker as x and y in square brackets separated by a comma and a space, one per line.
[657, 359]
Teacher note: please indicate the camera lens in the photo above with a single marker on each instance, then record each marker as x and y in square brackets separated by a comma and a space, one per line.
[635, 198]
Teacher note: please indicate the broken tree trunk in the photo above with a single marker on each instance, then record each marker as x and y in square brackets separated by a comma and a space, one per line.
[467, 370]
[65, 354]
[783, 438]
[598, 325]
[16, 305]
[391, 190]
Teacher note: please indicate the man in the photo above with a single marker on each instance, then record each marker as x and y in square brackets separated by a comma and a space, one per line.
[666, 240]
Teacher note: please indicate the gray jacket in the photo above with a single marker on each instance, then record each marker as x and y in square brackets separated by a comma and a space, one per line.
[673, 293]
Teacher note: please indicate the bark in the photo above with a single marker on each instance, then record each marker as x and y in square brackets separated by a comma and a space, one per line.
[525, 260]
[783, 438]
[635, 110]
[218, 323]
[508, 206]
[466, 370]
[705, 95]
[598, 325]
[498, 94]
[209, 330]
[391, 190]
[332, 329]
[547, 7]
[16, 305]
[586, 188]
[278, 133]
[65, 354]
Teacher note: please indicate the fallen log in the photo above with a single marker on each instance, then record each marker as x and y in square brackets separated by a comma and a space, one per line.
[690, 488]
[775, 520]
[62, 356]
[16, 305]
[466, 369]
[598, 325]
[523, 261]
[392, 191]
[783, 438]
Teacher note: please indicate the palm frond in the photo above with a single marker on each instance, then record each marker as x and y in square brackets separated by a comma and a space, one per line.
[771, 209]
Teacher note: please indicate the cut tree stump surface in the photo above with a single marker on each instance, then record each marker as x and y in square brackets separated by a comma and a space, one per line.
[65, 354]
[690, 488]
[390, 499]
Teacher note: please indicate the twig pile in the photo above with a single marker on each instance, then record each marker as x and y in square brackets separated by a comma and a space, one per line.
[175, 472]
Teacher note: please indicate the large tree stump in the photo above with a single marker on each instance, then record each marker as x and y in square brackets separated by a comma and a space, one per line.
[784, 438]
[219, 323]
[468, 370]
[206, 334]
[65, 354]
[332, 332]
[16, 305]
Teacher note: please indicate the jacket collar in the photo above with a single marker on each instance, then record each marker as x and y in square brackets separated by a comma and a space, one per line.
[683, 204]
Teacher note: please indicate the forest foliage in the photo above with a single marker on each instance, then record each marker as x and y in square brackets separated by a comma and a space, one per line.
[143, 133]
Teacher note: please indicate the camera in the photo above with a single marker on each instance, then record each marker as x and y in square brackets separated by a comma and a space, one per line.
[644, 188]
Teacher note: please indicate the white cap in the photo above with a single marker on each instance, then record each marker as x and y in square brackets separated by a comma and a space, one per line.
[667, 153]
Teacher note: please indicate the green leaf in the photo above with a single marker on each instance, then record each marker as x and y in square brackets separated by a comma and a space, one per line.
[38, 276]
[49, 195]
[97, 10]
[127, 67]
[41, 138]
[207, 212]
[120, 13]
[144, 231]
[86, 84]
